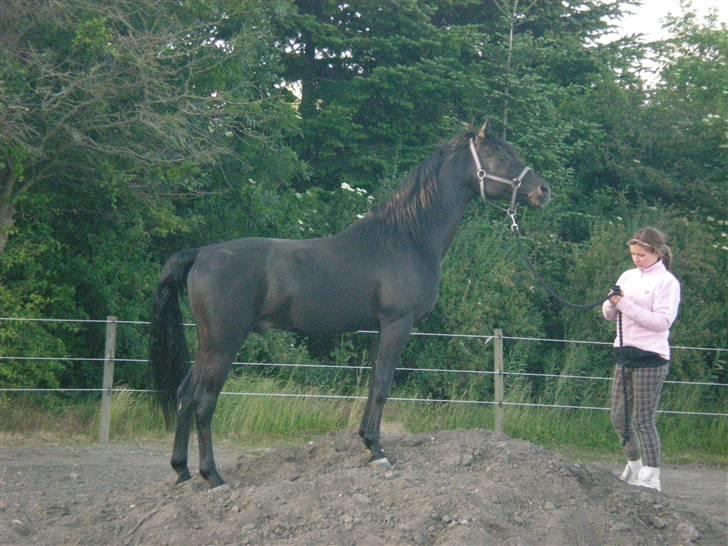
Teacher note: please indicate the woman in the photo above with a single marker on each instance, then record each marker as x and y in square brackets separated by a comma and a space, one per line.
[645, 301]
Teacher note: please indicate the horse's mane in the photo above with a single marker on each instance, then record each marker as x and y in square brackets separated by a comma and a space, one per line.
[405, 210]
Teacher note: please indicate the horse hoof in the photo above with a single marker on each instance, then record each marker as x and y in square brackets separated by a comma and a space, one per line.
[213, 478]
[380, 465]
[219, 491]
[182, 482]
[183, 475]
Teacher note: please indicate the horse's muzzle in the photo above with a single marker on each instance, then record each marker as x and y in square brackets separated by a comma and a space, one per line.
[540, 196]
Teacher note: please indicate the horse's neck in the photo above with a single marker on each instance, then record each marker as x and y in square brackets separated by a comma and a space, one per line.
[430, 218]
[441, 221]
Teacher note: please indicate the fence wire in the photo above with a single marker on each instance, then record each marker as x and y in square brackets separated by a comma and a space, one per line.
[352, 397]
[485, 338]
[347, 367]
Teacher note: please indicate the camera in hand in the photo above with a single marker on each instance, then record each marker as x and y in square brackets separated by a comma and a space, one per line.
[615, 291]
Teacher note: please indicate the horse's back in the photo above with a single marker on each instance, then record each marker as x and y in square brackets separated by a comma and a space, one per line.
[330, 284]
[321, 285]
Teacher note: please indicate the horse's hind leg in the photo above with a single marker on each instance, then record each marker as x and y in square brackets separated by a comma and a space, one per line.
[197, 398]
[392, 340]
[185, 410]
[213, 375]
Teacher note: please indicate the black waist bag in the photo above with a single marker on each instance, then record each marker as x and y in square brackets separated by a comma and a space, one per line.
[632, 357]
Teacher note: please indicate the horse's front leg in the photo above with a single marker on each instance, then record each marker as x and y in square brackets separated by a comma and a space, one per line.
[393, 337]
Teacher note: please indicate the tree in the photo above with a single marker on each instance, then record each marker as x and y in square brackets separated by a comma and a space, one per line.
[365, 70]
[381, 81]
[115, 119]
[688, 112]
[137, 85]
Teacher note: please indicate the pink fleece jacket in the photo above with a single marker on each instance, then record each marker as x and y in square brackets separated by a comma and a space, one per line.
[649, 307]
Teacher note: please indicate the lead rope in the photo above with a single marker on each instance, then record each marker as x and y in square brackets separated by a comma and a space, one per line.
[511, 212]
[620, 355]
[623, 373]
[517, 232]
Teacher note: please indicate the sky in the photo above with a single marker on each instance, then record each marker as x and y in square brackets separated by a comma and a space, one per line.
[647, 18]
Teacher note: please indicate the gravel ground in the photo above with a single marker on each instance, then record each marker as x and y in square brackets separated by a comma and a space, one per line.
[456, 487]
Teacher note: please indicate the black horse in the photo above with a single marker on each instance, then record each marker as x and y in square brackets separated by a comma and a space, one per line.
[381, 272]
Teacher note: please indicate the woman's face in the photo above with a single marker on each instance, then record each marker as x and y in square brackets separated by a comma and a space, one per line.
[643, 257]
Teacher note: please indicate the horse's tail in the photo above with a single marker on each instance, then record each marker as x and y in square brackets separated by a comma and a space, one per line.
[168, 352]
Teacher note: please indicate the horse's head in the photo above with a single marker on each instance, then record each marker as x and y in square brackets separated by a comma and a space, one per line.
[502, 175]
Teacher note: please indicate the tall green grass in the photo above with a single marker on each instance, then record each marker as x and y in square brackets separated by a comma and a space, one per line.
[133, 416]
[47, 416]
[585, 435]
[260, 418]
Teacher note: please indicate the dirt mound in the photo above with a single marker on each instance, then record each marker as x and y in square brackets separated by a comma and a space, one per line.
[464, 487]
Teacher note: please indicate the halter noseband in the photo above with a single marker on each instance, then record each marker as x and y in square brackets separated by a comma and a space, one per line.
[515, 183]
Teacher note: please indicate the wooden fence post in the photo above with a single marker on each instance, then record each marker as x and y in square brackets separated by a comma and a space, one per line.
[498, 377]
[108, 380]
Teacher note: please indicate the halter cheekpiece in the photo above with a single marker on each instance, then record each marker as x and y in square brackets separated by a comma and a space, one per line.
[514, 183]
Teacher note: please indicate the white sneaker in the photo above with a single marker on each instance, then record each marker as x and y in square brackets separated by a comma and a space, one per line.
[631, 471]
[649, 476]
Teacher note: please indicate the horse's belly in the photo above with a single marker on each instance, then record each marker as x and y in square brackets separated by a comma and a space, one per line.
[331, 311]
[318, 288]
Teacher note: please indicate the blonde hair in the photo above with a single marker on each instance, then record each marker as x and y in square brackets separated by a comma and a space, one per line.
[655, 241]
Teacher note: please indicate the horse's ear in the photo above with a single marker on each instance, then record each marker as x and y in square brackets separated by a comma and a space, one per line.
[483, 130]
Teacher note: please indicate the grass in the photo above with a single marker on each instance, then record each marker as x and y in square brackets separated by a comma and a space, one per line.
[23, 415]
[260, 419]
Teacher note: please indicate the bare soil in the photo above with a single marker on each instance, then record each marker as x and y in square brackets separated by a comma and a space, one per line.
[457, 487]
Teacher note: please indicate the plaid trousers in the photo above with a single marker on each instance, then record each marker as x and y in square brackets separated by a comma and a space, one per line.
[643, 386]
